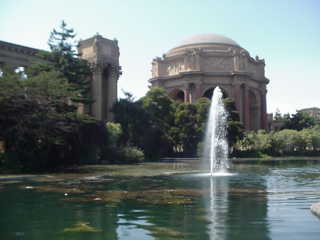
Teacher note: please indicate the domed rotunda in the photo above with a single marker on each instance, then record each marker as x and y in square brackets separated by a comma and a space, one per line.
[198, 64]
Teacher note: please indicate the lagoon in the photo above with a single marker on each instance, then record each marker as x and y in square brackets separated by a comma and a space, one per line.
[162, 201]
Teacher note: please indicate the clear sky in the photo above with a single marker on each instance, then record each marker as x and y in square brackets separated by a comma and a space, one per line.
[286, 33]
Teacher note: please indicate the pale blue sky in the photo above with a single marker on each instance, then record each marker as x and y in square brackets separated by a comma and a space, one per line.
[285, 33]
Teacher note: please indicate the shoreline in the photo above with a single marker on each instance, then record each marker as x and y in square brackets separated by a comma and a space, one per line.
[164, 166]
[270, 160]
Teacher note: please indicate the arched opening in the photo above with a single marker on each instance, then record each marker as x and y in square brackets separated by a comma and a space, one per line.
[209, 92]
[177, 95]
[253, 111]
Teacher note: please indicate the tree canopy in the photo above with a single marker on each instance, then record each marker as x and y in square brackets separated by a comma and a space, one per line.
[40, 128]
[298, 121]
[162, 127]
[64, 59]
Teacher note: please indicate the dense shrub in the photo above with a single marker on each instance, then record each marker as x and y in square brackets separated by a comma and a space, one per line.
[131, 155]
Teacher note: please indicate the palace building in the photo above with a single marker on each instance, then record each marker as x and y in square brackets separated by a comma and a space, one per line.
[192, 69]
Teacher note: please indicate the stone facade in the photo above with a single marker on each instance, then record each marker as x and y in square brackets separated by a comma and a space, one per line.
[101, 53]
[15, 55]
[195, 67]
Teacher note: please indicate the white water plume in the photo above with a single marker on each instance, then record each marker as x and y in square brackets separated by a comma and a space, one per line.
[216, 146]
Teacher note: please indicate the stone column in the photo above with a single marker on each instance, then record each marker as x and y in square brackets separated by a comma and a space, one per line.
[96, 93]
[264, 121]
[238, 100]
[246, 108]
[186, 95]
[112, 91]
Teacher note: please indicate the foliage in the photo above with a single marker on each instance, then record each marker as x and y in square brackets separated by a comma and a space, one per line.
[298, 121]
[131, 155]
[235, 128]
[133, 120]
[278, 116]
[64, 60]
[114, 132]
[114, 152]
[41, 130]
[146, 122]
[188, 127]
[285, 142]
[161, 127]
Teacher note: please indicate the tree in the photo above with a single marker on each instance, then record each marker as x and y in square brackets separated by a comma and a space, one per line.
[202, 106]
[146, 123]
[187, 128]
[299, 121]
[277, 115]
[133, 120]
[65, 60]
[235, 128]
[41, 130]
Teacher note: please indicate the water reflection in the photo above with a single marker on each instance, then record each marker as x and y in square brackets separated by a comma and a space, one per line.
[254, 204]
[234, 211]
[218, 207]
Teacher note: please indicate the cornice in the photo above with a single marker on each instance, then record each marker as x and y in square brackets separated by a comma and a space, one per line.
[216, 74]
[11, 47]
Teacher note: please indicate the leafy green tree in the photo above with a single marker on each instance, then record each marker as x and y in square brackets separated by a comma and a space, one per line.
[235, 128]
[159, 110]
[202, 105]
[159, 106]
[160, 126]
[311, 137]
[133, 120]
[187, 128]
[41, 130]
[146, 123]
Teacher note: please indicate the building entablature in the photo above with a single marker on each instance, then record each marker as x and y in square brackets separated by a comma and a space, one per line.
[100, 51]
[18, 48]
[234, 60]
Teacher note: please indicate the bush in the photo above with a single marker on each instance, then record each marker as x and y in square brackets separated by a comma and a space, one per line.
[131, 155]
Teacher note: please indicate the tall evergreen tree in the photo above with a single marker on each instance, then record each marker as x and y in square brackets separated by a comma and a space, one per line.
[65, 60]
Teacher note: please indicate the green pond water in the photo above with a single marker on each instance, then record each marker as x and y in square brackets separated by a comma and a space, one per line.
[258, 202]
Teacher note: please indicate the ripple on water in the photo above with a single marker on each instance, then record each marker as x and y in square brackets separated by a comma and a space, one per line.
[216, 174]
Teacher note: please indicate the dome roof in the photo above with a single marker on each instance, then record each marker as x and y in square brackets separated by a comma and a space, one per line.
[206, 39]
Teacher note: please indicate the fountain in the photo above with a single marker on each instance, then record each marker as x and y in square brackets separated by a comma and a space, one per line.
[216, 146]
